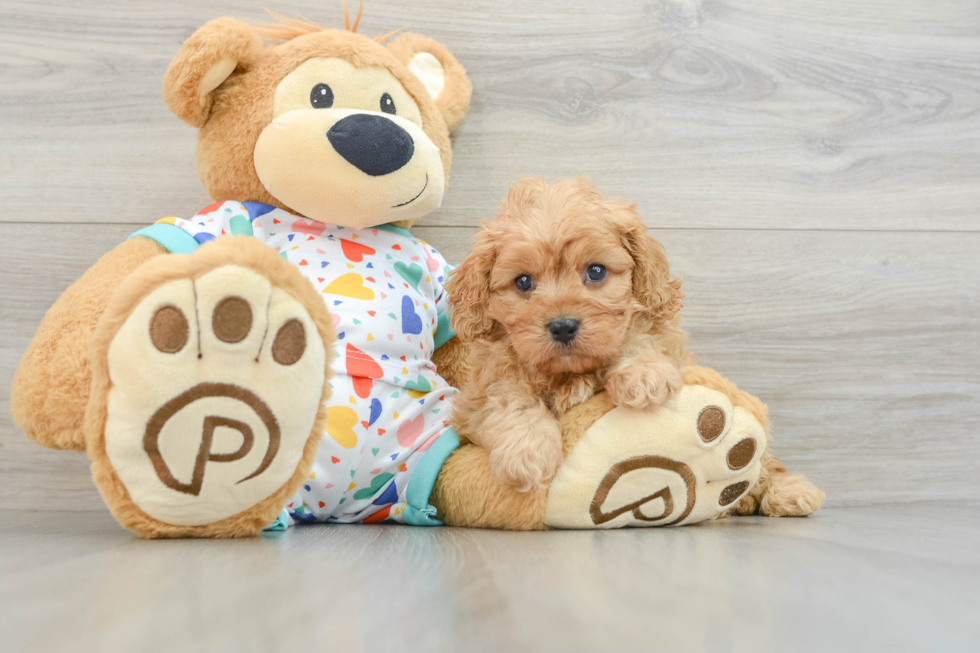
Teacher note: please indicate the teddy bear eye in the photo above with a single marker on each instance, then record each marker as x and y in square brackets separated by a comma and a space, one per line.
[387, 104]
[321, 97]
[524, 283]
[596, 272]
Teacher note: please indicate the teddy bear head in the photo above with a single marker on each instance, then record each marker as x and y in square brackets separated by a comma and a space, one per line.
[325, 123]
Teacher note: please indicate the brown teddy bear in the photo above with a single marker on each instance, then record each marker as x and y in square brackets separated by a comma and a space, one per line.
[285, 356]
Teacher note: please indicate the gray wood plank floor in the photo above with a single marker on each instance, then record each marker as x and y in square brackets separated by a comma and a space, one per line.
[853, 579]
[812, 168]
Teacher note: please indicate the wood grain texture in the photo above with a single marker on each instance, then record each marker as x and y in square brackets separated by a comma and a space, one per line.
[815, 114]
[886, 578]
[864, 345]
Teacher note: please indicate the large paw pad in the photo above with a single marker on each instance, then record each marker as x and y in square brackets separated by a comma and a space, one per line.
[685, 462]
[215, 386]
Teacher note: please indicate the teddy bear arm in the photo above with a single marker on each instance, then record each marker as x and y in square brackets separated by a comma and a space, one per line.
[701, 457]
[468, 494]
[51, 387]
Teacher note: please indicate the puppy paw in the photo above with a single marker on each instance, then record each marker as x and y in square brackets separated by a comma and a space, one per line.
[579, 390]
[528, 452]
[643, 382]
[747, 505]
[790, 495]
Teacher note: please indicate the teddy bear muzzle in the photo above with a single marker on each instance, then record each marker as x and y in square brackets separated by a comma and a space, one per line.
[351, 168]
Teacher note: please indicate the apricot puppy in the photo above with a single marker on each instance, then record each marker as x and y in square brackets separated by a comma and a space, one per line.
[564, 295]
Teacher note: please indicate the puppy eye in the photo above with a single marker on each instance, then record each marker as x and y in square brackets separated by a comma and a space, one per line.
[596, 272]
[524, 283]
[387, 104]
[321, 97]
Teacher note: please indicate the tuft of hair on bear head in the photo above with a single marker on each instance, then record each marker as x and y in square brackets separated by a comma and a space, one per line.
[287, 29]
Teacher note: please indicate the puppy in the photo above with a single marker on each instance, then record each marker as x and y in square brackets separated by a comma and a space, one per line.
[565, 294]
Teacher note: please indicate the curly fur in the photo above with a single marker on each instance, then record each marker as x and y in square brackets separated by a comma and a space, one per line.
[629, 341]
[779, 493]
[519, 380]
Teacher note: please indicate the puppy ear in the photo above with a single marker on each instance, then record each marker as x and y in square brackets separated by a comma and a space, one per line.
[469, 290]
[206, 60]
[660, 297]
[442, 75]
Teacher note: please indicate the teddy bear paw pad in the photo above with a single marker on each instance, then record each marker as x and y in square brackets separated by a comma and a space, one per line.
[687, 461]
[215, 386]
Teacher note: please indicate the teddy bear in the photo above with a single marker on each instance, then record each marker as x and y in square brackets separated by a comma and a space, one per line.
[285, 356]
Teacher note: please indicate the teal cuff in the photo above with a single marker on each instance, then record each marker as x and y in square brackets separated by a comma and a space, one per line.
[418, 512]
[444, 332]
[174, 239]
[281, 523]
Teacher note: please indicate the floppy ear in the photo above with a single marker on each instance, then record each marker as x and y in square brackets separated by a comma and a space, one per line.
[659, 296]
[207, 59]
[469, 290]
[442, 75]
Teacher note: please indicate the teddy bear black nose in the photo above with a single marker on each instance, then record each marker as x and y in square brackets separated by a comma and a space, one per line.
[373, 144]
[563, 329]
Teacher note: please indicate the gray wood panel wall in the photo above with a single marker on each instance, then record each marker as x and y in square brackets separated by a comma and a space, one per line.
[812, 167]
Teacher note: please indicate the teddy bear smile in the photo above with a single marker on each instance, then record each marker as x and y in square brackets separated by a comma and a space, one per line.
[424, 186]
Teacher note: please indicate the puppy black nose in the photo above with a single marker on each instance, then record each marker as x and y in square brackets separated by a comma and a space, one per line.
[373, 144]
[563, 329]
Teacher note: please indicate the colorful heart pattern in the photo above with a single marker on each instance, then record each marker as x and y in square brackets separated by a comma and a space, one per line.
[410, 430]
[410, 273]
[349, 285]
[411, 322]
[340, 425]
[355, 251]
[421, 384]
[377, 483]
[308, 227]
[388, 405]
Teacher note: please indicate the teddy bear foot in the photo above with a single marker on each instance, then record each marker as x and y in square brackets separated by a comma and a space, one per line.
[689, 460]
[209, 373]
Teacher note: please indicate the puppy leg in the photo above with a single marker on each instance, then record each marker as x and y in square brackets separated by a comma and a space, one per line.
[779, 493]
[645, 381]
[577, 391]
[524, 441]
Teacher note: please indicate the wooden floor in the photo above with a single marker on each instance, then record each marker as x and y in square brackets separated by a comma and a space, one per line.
[900, 578]
[813, 169]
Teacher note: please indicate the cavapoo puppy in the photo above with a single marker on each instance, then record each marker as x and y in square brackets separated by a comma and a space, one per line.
[564, 295]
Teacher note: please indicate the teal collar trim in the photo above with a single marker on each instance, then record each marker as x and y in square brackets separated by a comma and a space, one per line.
[401, 231]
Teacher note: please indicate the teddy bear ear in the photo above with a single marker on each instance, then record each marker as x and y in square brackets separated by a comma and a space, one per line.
[442, 75]
[206, 60]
